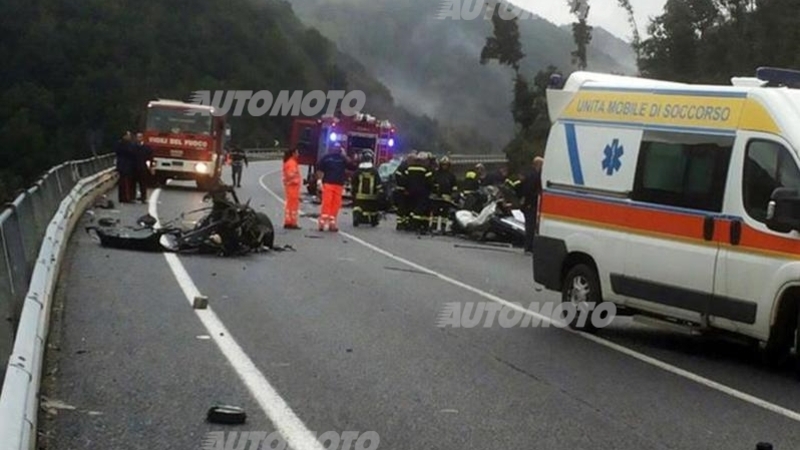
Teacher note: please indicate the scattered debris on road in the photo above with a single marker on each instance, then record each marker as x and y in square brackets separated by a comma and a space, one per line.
[227, 415]
[200, 302]
[52, 406]
[103, 202]
[486, 247]
[401, 269]
[228, 228]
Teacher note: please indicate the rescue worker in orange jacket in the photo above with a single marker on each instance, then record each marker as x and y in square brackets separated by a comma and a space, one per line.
[291, 186]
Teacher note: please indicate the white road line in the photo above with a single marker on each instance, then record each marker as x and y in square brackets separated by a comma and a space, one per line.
[286, 422]
[785, 412]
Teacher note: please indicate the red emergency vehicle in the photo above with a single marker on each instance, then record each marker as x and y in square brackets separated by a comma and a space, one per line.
[187, 142]
[355, 134]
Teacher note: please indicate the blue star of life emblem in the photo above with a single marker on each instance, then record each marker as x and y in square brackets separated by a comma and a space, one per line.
[613, 154]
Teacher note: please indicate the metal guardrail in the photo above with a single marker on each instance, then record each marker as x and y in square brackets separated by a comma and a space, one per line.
[35, 232]
[276, 153]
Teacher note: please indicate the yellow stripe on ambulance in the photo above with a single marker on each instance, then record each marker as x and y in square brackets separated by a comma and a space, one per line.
[705, 111]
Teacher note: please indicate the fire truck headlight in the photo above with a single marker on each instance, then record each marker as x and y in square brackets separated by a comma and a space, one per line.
[391, 142]
[201, 168]
[333, 137]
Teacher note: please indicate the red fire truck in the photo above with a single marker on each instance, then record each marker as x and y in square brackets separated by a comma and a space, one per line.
[187, 142]
[355, 134]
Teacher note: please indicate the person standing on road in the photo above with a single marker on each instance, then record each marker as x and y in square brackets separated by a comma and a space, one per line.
[529, 191]
[238, 159]
[419, 184]
[470, 191]
[400, 194]
[125, 167]
[367, 191]
[291, 186]
[143, 159]
[446, 189]
[332, 170]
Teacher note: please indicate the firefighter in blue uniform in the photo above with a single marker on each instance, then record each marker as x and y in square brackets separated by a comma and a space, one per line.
[367, 192]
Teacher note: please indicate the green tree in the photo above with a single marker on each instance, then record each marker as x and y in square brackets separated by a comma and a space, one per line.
[504, 45]
[581, 32]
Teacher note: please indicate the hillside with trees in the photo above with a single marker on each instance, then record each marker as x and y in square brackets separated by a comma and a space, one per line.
[77, 74]
[692, 41]
[429, 62]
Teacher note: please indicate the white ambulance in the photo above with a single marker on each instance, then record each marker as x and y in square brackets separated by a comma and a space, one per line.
[679, 203]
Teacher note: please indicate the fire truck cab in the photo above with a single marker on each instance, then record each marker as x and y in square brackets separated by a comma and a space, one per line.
[355, 134]
[187, 142]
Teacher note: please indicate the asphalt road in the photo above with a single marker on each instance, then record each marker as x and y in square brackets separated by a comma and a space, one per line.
[342, 335]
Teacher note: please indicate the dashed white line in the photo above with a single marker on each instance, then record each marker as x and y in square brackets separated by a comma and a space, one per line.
[286, 422]
[785, 412]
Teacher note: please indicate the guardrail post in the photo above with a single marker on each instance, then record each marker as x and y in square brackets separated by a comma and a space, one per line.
[18, 265]
[7, 310]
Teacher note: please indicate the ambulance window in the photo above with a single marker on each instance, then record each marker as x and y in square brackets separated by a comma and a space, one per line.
[767, 166]
[683, 175]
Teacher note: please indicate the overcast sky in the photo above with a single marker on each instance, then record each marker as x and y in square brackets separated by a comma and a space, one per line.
[603, 13]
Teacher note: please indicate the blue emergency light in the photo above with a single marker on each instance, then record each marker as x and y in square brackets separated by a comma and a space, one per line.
[776, 77]
[556, 81]
[333, 137]
[391, 142]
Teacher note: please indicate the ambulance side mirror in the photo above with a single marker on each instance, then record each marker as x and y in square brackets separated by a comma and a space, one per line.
[783, 210]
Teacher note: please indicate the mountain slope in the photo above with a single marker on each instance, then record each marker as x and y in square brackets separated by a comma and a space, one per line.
[75, 69]
[432, 65]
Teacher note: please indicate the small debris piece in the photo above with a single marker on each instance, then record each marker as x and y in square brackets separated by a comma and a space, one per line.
[200, 302]
[225, 414]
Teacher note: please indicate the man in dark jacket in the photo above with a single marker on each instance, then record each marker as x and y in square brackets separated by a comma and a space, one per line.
[332, 169]
[529, 191]
[238, 159]
[125, 167]
[143, 160]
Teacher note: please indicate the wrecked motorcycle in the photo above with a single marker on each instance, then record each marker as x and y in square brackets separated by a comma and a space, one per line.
[227, 228]
[497, 220]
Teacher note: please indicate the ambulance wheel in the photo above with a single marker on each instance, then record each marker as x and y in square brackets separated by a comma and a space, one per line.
[777, 351]
[581, 287]
[375, 221]
[797, 345]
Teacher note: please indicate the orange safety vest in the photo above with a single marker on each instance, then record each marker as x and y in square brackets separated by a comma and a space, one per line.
[291, 172]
